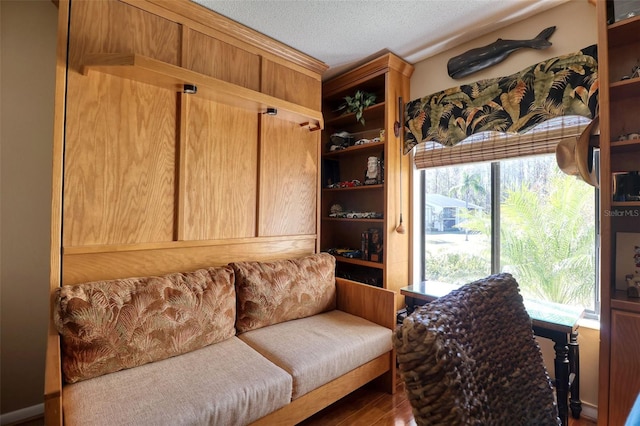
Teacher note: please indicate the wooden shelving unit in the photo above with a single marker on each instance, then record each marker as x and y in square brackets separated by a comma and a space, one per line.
[618, 53]
[388, 77]
[151, 71]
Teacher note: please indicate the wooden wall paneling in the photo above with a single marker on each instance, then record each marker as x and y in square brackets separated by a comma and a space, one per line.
[396, 259]
[223, 61]
[221, 172]
[119, 161]
[286, 83]
[137, 260]
[110, 26]
[53, 362]
[606, 257]
[625, 372]
[219, 27]
[181, 167]
[183, 113]
[288, 176]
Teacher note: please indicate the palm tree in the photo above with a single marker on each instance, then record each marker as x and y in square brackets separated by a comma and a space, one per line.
[470, 184]
[546, 241]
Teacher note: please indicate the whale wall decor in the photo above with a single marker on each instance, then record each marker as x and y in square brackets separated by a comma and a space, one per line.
[483, 57]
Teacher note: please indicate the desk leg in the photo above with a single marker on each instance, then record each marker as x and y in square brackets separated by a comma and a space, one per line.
[562, 378]
[574, 368]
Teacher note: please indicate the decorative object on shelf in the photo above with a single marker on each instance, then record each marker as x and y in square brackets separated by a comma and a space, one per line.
[633, 280]
[371, 244]
[626, 186]
[627, 257]
[619, 10]
[635, 73]
[365, 141]
[375, 245]
[356, 215]
[340, 140]
[345, 184]
[483, 57]
[629, 136]
[357, 104]
[345, 252]
[373, 174]
[335, 209]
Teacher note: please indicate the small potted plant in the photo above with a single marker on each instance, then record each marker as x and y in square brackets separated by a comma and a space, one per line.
[357, 104]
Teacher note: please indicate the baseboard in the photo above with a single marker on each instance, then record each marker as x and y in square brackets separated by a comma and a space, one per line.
[22, 414]
[589, 411]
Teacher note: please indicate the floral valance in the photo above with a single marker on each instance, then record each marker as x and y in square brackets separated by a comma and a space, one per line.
[564, 85]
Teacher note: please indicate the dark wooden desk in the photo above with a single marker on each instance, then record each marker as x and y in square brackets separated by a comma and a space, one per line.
[549, 320]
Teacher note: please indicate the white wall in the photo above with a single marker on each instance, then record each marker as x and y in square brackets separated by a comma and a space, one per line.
[27, 74]
[576, 28]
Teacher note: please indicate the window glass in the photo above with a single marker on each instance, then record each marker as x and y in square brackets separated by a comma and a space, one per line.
[543, 234]
[453, 196]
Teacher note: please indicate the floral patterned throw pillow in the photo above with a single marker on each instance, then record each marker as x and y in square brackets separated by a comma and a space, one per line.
[273, 292]
[108, 326]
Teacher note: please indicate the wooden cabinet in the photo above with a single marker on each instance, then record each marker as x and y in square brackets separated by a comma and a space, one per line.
[374, 208]
[149, 179]
[618, 54]
[150, 168]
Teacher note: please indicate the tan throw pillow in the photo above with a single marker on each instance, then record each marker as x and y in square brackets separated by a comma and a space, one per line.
[274, 292]
[108, 326]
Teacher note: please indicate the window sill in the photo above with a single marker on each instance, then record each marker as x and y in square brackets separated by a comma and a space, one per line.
[590, 323]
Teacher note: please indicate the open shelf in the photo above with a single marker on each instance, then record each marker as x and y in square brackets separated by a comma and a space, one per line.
[628, 145]
[354, 188]
[620, 300]
[346, 219]
[368, 263]
[151, 71]
[625, 204]
[369, 113]
[624, 32]
[625, 89]
[355, 150]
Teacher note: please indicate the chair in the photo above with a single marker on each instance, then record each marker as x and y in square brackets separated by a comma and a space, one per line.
[470, 358]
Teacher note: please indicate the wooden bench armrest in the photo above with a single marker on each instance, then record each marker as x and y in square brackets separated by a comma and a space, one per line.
[53, 379]
[371, 303]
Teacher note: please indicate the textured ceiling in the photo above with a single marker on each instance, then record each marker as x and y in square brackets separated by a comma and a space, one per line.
[342, 33]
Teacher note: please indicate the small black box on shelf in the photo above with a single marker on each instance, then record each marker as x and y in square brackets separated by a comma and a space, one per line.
[364, 245]
[375, 244]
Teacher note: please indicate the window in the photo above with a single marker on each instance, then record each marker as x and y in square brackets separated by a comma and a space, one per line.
[522, 216]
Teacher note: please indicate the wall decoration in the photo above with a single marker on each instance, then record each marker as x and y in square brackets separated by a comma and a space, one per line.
[560, 86]
[483, 57]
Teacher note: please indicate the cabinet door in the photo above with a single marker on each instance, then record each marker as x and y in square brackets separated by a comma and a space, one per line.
[625, 368]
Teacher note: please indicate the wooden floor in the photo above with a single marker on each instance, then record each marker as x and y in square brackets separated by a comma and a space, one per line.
[369, 407]
[365, 407]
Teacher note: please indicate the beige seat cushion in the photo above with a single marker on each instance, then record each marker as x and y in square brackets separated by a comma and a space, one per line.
[318, 349]
[227, 383]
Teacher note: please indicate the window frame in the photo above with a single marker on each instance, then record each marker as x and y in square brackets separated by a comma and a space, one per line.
[419, 210]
